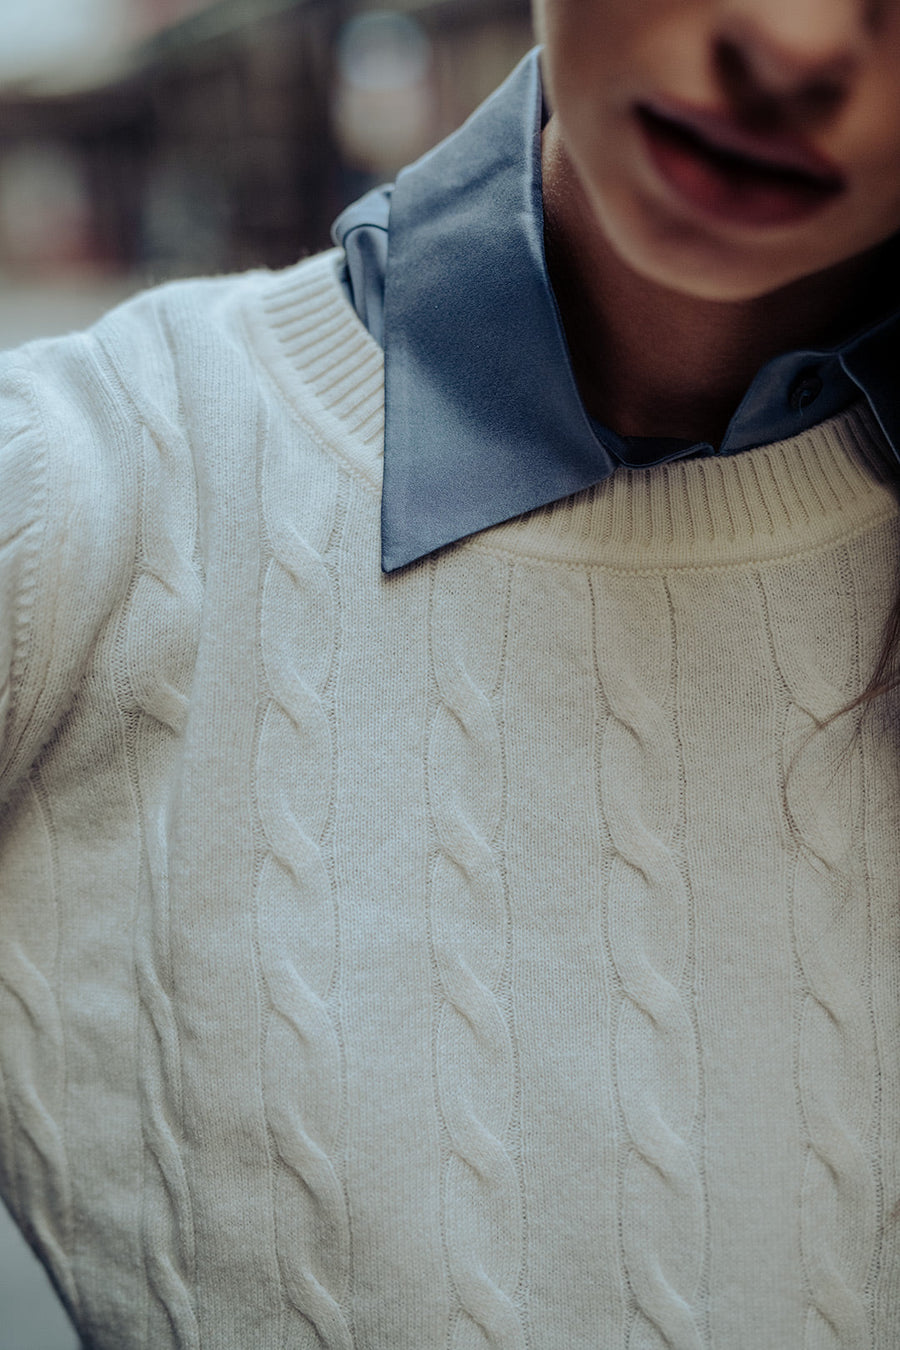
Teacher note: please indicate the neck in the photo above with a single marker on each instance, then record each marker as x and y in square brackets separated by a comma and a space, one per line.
[687, 381]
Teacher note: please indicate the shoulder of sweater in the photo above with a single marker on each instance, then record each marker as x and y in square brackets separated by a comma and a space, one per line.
[161, 340]
[106, 433]
[82, 419]
[179, 357]
[144, 347]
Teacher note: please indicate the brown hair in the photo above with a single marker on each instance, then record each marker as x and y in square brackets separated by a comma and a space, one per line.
[886, 675]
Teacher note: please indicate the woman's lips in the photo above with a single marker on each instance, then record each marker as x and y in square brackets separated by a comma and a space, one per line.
[733, 174]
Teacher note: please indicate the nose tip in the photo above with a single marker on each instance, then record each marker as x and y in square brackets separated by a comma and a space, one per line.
[772, 80]
[790, 59]
[790, 36]
[766, 91]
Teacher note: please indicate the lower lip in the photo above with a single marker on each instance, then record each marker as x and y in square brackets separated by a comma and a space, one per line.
[731, 191]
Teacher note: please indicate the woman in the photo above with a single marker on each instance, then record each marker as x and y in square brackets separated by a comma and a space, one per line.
[499, 949]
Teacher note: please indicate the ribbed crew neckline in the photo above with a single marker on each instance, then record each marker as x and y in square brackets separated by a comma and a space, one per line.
[781, 500]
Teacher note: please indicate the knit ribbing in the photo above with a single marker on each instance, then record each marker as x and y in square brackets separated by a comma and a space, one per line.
[475, 1060]
[296, 921]
[308, 328]
[820, 487]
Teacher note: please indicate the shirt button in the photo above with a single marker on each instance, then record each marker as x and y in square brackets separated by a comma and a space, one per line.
[805, 390]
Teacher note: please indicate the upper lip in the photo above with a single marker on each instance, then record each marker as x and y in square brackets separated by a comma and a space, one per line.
[779, 150]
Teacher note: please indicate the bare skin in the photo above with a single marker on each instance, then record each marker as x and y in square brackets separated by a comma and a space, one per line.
[668, 317]
[688, 379]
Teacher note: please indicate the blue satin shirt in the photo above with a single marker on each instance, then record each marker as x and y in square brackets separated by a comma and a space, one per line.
[483, 418]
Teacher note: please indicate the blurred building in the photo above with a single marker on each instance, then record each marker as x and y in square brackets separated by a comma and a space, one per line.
[150, 16]
[225, 135]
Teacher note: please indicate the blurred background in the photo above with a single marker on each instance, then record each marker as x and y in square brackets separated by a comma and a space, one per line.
[147, 139]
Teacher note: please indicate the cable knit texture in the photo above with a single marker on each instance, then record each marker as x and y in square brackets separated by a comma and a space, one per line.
[500, 954]
[475, 1066]
[648, 932]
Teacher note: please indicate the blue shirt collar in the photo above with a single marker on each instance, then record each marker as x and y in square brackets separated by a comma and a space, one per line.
[483, 418]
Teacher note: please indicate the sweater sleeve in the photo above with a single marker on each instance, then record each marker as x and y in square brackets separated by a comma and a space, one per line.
[66, 536]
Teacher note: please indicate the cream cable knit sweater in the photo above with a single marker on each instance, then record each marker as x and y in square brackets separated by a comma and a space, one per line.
[484, 956]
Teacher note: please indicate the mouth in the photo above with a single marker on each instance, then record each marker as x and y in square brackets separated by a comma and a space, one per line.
[733, 175]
